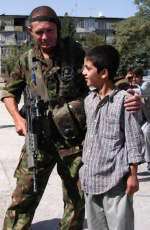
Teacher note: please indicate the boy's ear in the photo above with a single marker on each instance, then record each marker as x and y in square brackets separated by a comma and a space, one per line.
[104, 74]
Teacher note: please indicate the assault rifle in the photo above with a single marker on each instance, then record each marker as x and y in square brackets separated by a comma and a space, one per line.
[33, 113]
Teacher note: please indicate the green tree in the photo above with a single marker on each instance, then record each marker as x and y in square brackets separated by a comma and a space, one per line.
[91, 40]
[15, 51]
[67, 26]
[10, 60]
[143, 7]
[132, 39]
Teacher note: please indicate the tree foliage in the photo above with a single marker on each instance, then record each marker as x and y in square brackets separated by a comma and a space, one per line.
[143, 7]
[67, 27]
[91, 39]
[132, 39]
[10, 61]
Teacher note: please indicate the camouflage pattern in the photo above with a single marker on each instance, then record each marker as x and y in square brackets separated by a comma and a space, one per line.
[70, 121]
[122, 84]
[49, 76]
[24, 202]
[72, 195]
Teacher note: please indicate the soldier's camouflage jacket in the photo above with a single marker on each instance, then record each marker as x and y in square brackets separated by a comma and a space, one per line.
[57, 80]
[64, 68]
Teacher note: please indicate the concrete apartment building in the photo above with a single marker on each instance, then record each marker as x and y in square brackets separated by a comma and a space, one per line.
[12, 34]
[13, 31]
[101, 25]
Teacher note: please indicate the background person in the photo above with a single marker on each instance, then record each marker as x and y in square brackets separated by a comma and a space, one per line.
[129, 76]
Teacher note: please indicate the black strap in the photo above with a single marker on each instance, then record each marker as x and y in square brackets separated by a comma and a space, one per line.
[44, 18]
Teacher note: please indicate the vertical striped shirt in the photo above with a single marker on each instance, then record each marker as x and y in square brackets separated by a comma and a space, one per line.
[113, 141]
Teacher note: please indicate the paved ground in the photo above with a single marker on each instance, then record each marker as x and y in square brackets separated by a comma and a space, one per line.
[51, 207]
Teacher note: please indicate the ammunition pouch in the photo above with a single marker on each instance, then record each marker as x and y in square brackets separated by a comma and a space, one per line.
[70, 122]
[70, 151]
[67, 79]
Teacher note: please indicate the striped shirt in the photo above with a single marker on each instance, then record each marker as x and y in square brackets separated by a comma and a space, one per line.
[113, 141]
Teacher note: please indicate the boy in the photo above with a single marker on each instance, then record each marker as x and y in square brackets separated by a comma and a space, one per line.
[112, 147]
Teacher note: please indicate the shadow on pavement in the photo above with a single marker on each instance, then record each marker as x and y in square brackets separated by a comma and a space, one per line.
[6, 126]
[144, 176]
[50, 225]
[85, 224]
[46, 225]
[145, 173]
[144, 179]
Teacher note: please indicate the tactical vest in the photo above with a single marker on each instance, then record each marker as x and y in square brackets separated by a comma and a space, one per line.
[63, 83]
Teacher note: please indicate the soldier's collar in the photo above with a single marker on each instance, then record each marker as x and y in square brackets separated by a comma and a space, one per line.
[38, 56]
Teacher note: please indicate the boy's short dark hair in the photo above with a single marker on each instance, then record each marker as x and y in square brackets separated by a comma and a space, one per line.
[105, 56]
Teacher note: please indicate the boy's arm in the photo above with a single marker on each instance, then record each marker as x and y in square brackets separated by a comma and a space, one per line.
[134, 140]
[132, 180]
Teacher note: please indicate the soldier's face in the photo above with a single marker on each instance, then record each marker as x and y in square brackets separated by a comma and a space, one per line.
[45, 34]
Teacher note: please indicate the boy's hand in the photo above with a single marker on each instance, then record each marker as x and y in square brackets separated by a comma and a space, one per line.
[132, 101]
[132, 180]
[132, 185]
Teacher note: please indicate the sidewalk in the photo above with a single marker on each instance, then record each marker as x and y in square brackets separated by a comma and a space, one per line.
[50, 209]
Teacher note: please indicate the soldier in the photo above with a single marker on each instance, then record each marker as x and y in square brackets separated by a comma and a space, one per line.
[52, 70]
[56, 66]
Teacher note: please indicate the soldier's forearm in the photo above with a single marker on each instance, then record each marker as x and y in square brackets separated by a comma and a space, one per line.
[12, 107]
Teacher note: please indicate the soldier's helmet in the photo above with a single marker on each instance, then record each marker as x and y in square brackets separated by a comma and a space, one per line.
[70, 121]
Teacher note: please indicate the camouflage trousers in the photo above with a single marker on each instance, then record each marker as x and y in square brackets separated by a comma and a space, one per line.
[24, 201]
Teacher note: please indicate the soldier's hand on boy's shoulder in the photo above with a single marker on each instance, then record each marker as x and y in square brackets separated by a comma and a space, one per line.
[132, 184]
[133, 101]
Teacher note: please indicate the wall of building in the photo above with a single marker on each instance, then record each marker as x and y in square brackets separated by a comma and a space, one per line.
[13, 31]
